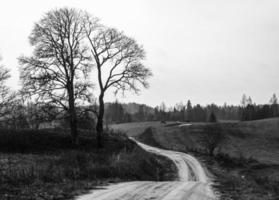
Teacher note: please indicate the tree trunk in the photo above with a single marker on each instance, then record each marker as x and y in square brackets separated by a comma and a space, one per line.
[73, 125]
[99, 126]
[73, 117]
[211, 151]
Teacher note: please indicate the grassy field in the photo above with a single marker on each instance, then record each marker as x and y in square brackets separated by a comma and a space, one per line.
[245, 164]
[45, 164]
[136, 128]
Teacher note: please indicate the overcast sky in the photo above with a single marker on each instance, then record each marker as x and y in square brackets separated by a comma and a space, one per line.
[206, 51]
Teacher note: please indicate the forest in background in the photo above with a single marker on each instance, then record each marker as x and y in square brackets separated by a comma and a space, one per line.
[118, 112]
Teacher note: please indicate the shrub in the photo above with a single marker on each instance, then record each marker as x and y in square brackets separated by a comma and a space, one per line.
[211, 137]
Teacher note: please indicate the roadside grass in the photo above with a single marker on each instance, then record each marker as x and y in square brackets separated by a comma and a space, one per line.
[245, 166]
[254, 139]
[43, 164]
[147, 137]
[242, 179]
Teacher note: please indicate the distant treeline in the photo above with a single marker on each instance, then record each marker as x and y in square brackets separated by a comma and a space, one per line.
[117, 112]
[42, 116]
[251, 111]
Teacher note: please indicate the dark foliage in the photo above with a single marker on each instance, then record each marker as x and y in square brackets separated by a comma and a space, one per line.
[40, 141]
[212, 117]
[191, 113]
[255, 112]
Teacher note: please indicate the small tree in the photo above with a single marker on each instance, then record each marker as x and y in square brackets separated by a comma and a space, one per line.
[17, 118]
[4, 90]
[189, 111]
[118, 60]
[37, 113]
[58, 70]
[274, 105]
[273, 99]
[6, 96]
[212, 118]
[211, 138]
[243, 101]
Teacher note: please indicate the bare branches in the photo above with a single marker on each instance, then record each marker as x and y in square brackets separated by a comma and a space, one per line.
[58, 70]
[118, 59]
[4, 74]
[60, 61]
[121, 57]
[6, 96]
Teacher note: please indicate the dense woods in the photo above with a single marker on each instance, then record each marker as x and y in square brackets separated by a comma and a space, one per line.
[117, 112]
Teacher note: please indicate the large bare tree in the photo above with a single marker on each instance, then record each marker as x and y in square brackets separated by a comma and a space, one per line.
[118, 60]
[57, 71]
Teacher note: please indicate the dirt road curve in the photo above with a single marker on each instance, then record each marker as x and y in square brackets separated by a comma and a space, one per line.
[192, 183]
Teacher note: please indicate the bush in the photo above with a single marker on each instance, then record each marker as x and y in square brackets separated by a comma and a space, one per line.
[211, 138]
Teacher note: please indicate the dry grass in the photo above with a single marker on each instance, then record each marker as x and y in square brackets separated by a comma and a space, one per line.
[246, 165]
[135, 128]
[45, 165]
[254, 139]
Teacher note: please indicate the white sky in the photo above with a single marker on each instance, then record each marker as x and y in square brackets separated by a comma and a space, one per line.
[206, 51]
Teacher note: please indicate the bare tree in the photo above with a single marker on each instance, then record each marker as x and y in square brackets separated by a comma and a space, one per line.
[118, 60]
[57, 71]
[4, 74]
[273, 99]
[17, 118]
[274, 105]
[211, 137]
[37, 113]
[6, 96]
[243, 101]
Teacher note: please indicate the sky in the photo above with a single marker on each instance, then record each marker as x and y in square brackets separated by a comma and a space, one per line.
[207, 51]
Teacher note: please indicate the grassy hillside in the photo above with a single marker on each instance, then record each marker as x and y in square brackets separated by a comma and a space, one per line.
[245, 163]
[136, 128]
[257, 140]
[45, 164]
